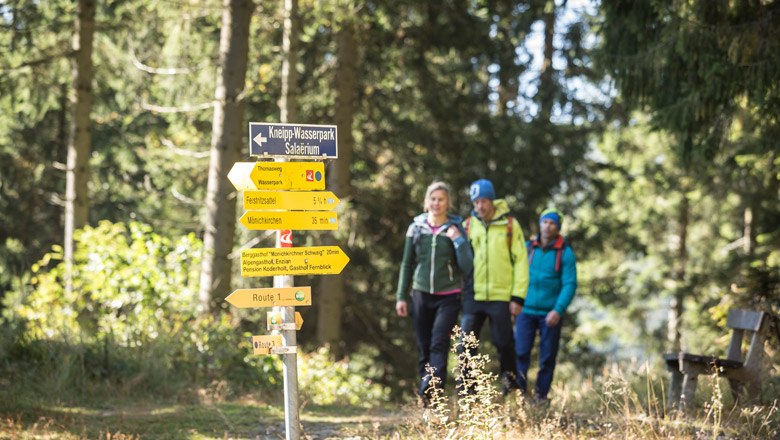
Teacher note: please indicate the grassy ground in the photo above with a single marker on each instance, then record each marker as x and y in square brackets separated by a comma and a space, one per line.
[619, 402]
[243, 419]
[609, 412]
[510, 418]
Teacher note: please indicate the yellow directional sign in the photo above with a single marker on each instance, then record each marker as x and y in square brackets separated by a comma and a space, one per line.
[248, 176]
[293, 220]
[276, 319]
[264, 343]
[270, 297]
[290, 200]
[317, 260]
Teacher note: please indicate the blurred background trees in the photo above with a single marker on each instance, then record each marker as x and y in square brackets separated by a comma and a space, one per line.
[652, 125]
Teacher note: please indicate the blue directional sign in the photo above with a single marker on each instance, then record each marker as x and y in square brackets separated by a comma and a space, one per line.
[293, 140]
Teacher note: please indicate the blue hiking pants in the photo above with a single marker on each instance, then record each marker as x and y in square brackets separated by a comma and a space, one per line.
[526, 328]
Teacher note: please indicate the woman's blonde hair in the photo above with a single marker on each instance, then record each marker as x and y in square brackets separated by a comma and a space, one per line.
[436, 186]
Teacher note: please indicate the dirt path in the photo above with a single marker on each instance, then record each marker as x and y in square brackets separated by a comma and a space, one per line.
[375, 423]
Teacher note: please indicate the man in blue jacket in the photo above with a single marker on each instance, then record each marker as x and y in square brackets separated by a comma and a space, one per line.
[553, 273]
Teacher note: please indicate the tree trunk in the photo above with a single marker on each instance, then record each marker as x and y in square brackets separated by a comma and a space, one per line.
[547, 75]
[676, 307]
[748, 236]
[226, 141]
[339, 181]
[80, 139]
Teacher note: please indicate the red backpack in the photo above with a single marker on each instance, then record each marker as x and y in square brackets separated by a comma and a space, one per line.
[559, 245]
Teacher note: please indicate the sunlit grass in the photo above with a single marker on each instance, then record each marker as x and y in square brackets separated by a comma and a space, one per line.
[623, 402]
[619, 402]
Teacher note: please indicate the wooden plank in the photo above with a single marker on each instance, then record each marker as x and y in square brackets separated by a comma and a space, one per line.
[745, 319]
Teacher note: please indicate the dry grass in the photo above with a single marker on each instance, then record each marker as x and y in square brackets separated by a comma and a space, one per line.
[621, 402]
[612, 406]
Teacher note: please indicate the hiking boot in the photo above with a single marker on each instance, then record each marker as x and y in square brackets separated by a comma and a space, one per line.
[508, 384]
[539, 402]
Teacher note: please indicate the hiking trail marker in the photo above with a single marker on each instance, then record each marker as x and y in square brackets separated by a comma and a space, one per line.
[286, 196]
[270, 297]
[293, 220]
[290, 200]
[316, 260]
[293, 140]
[275, 321]
[265, 343]
[249, 176]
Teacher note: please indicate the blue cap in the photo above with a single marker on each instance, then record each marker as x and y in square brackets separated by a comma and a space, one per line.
[482, 189]
[552, 214]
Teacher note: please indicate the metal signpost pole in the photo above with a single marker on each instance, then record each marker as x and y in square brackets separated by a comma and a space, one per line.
[290, 360]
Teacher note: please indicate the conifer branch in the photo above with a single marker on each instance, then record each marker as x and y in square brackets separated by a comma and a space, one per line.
[183, 152]
[180, 109]
[38, 61]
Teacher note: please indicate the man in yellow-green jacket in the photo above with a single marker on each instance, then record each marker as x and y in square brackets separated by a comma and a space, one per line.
[497, 286]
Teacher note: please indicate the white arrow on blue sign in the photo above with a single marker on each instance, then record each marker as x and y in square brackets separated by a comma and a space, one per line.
[293, 140]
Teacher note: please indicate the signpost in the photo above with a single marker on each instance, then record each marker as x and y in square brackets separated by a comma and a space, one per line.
[317, 260]
[293, 140]
[270, 297]
[293, 220]
[300, 205]
[248, 176]
[290, 200]
[264, 343]
[275, 321]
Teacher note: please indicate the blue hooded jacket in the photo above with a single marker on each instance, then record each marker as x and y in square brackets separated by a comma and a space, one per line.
[553, 283]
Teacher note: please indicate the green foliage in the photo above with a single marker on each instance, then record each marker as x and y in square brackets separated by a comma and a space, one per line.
[130, 320]
[128, 282]
[351, 381]
[648, 46]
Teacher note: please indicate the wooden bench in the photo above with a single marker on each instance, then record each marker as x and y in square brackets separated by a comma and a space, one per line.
[741, 372]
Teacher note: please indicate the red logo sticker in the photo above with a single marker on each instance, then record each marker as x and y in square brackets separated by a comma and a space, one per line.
[285, 238]
[310, 175]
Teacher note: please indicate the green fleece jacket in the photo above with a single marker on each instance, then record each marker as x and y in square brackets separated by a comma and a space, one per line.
[433, 262]
[496, 276]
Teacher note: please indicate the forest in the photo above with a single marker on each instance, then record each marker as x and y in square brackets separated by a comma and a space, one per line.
[652, 125]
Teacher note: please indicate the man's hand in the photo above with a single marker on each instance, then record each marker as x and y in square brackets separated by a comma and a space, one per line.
[453, 232]
[552, 319]
[401, 309]
[515, 308]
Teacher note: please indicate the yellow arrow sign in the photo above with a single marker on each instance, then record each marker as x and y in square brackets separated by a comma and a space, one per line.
[290, 200]
[293, 220]
[298, 321]
[271, 297]
[264, 343]
[247, 176]
[317, 260]
[276, 319]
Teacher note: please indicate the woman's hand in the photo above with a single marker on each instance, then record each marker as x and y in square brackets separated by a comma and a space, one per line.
[453, 232]
[401, 309]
